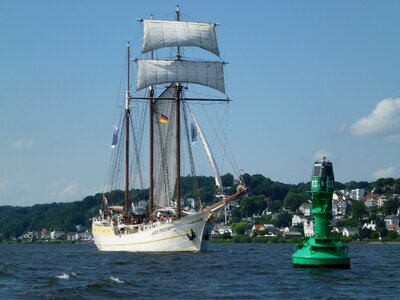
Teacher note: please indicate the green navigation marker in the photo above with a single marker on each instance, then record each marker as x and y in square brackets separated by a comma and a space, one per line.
[320, 250]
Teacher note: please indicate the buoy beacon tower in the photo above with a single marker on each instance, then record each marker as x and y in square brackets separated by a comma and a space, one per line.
[320, 250]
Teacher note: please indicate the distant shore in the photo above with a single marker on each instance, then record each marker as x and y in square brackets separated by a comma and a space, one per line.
[46, 242]
[234, 240]
[282, 240]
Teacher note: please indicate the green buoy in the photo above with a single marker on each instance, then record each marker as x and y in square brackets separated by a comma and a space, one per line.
[320, 250]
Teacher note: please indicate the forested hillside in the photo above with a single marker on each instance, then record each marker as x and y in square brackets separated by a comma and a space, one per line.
[263, 193]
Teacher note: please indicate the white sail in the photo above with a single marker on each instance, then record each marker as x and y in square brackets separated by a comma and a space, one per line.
[164, 148]
[153, 72]
[159, 34]
[210, 156]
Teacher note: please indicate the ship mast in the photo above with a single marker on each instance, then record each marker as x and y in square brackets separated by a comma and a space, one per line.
[127, 115]
[153, 72]
[178, 134]
[151, 188]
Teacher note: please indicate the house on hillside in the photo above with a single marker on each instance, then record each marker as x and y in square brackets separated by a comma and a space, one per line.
[357, 194]
[339, 207]
[54, 235]
[220, 229]
[257, 228]
[371, 200]
[296, 219]
[305, 208]
[349, 232]
[381, 200]
[308, 227]
[392, 222]
[336, 229]
[338, 195]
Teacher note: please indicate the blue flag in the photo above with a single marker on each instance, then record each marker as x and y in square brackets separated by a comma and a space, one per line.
[115, 138]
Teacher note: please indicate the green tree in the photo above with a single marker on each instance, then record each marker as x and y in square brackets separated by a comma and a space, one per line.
[365, 233]
[384, 185]
[227, 180]
[358, 210]
[397, 186]
[392, 235]
[383, 232]
[283, 219]
[274, 206]
[352, 185]
[293, 200]
[253, 205]
[73, 219]
[240, 228]
[339, 186]
[391, 206]
[379, 222]
[246, 177]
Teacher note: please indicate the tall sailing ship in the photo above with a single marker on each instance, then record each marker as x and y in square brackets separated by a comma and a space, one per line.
[162, 224]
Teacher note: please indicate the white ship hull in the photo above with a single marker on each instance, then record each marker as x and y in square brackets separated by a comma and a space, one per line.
[189, 233]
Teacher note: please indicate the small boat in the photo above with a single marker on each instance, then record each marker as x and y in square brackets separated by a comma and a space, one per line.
[161, 223]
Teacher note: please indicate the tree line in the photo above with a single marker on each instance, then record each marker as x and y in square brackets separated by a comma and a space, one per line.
[262, 193]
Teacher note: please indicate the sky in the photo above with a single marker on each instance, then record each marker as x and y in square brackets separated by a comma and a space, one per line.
[308, 79]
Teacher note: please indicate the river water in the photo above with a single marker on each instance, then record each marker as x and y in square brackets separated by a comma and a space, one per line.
[226, 271]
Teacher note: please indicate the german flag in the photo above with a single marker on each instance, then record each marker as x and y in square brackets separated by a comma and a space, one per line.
[163, 119]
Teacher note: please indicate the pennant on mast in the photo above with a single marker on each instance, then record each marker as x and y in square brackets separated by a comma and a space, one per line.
[115, 137]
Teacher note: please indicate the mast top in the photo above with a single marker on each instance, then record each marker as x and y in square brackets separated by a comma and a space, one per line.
[178, 18]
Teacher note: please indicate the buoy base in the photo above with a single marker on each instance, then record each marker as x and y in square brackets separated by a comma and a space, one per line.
[321, 253]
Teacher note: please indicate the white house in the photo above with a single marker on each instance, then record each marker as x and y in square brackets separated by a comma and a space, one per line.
[357, 194]
[56, 234]
[349, 231]
[308, 227]
[392, 222]
[305, 208]
[371, 200]
[339, 207]
[296, 219]
[381, 200]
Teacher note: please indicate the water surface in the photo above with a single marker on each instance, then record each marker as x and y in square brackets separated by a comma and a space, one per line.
[226, 271]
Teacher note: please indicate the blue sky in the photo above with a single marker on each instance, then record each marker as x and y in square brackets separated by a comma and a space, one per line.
[308, 78]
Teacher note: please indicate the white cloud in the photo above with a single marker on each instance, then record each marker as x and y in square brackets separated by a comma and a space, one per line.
[384, 173]
[383, 120]
[323, 153]
[69, 191]
[22, 143]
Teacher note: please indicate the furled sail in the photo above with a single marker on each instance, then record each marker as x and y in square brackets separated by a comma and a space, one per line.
[164, 124]
[159, 34]
[153, 72]
[210, 156]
